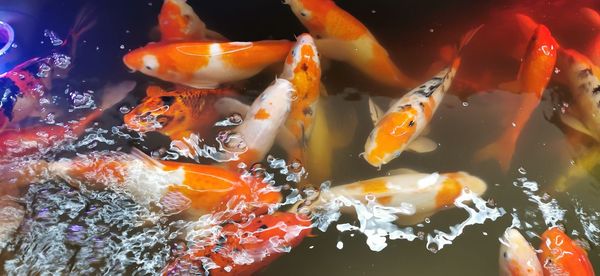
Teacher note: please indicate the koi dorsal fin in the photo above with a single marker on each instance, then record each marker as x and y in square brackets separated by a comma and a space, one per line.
[155, 91]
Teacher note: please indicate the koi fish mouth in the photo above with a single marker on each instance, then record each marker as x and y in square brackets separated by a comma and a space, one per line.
[147, 122]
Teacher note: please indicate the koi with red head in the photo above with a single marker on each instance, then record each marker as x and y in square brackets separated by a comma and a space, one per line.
[560, 255]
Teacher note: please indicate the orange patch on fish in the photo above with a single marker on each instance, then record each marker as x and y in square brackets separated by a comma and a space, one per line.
[375, 186]
[262, 114]
[171, 20]
[447, 193]
[392, 133]
[384, 200]
[342, 25]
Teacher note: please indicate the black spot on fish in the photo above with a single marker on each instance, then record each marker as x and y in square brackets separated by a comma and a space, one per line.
[585, 73]
[411, 123]
[167, 100]
[505, 255]
[304, 67]
[264, 226]
[307, 111]
[596, 90]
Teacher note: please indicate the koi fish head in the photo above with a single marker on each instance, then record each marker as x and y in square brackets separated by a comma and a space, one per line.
[178, 21]
[391, 136]
[312, 13]
[303, 59]
[517, 257]
[146, 60]
[157, 111]
[562, 256]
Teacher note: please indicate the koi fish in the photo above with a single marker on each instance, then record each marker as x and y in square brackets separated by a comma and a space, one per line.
[22, 87]
[206, 64]
[560, 255]
[582, 77]
[536, 70]
[251, 140]
[175, 113]
[176, 187]
[261, 241]
[401, 126]
[517, 256]
[342, 37]
[177, 21]
[303, 69]
[426, 193]
[39, 139]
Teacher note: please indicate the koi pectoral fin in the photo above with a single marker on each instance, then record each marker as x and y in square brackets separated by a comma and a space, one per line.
[174, 202]
[375, 111]
[511, 86]
[502, 150]
[286, 140]
[422, 145]
[577, 125]
[228, 106]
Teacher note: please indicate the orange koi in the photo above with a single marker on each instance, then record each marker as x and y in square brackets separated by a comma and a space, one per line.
[342, 37]
[426, 193]
[517, 256]
[206, 64]
[303, 70]
[39, 139]
[400, 127]
[177, 21]
[560, 255]
[261, 241]
[536, 70]
[176, 187]
[175, 113]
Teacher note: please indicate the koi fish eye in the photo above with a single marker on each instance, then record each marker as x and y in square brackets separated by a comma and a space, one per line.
[167, 100]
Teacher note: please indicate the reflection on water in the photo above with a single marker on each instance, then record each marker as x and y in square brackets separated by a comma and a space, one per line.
[69, 230]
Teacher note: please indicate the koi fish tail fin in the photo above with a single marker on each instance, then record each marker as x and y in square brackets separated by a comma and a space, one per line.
[450, 55]
[466, 38]
[114, 93]
[83, 23]
[502, 150]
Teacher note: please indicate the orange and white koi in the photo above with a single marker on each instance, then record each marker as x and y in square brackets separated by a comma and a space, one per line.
[260, 241]
[175, 113]
[560, 255]
[342, 37]
[251, 140]
[39, 139]
[582, 77]
[303, 69]
[176, 187]
[517, 256]
[401, 126]
[427, 194]
[536, 70]
[177, 21]
[206, 64]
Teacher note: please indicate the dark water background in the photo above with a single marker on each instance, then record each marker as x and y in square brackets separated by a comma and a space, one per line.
[405, 29]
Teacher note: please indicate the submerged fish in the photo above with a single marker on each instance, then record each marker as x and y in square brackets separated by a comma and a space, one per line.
[175, 187]
[39, 139]
[303, 69]
[426, 193]
[177, 21]
[517, 256]
[401, 126]
[11, 217]
[259, 243]
[206, 64]
[342, 37]
[535, 72]
[176, 113]
[562, 256]
[583, 80]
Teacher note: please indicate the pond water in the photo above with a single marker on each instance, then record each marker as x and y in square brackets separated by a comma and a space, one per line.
[68, 230]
